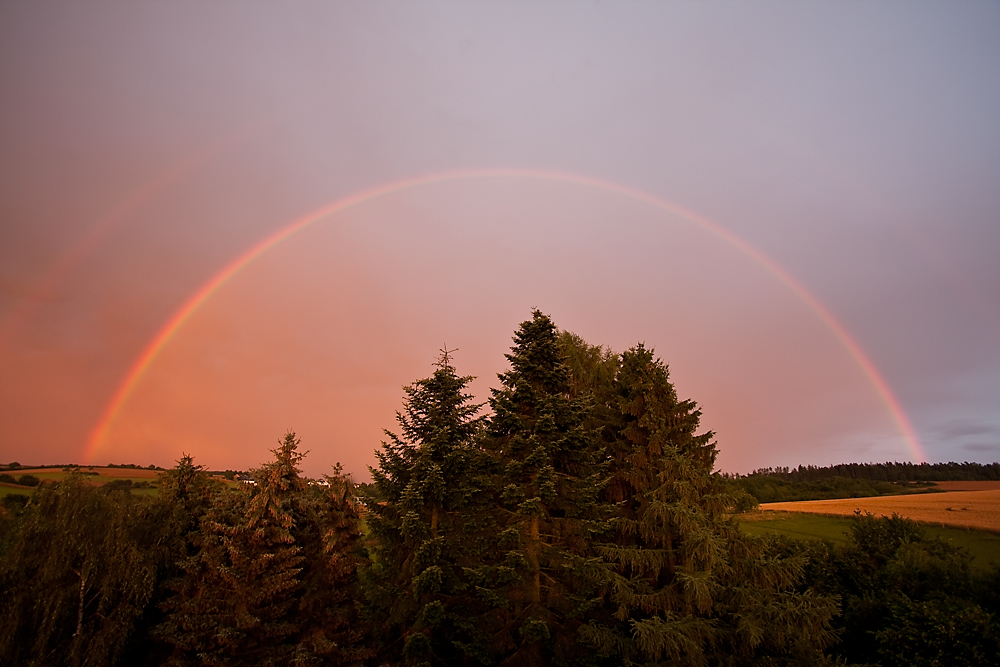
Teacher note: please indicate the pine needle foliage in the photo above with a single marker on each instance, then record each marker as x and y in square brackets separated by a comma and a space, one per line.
[687, 587]
[271, 580]
[430, 528]
[549, 476]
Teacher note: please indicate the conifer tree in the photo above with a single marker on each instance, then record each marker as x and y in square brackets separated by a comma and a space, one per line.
[266, 584]
[550, 478]
[688, 587]
[329, 605]
[430, 528]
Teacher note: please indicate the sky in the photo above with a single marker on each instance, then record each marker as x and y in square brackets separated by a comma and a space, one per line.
[221, 221]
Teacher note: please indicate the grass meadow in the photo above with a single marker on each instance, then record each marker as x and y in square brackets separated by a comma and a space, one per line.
[982, 545]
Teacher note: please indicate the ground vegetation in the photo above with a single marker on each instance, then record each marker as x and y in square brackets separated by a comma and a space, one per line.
[579, 519]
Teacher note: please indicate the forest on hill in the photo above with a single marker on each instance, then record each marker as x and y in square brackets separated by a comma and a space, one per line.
[579, 522]
[856, 480]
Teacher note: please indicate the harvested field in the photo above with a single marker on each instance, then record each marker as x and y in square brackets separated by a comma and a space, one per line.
[962, 509]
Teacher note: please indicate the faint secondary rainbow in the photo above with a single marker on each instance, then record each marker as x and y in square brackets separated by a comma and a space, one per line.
[129, 206]
[206, 291]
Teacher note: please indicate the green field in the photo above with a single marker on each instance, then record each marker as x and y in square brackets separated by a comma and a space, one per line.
[984, 547]
[57, 474]
[798, 525]
[7, 489]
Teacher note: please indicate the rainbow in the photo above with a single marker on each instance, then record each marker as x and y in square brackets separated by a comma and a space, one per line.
[138, 199]
[181, 316]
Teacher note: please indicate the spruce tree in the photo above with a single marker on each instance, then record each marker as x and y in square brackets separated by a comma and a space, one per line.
[550, 478]
[688, 587]
[430, 529]
[269, 576]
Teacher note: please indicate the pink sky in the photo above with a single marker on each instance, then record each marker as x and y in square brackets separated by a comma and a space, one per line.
[846, 157]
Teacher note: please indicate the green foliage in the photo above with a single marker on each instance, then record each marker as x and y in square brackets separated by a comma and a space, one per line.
[270, 578]
[943, 631]
[879, 538]
[122, 485]
[688, 587]
[15, 502]
[594, 532]
[431, 529]
[886, 472]
[552, 472]
[983, 547]
[854, 480]
[797, 525]
[28, 480]
[906, 598]
[78, 575]
[581, 523]
[774, 489]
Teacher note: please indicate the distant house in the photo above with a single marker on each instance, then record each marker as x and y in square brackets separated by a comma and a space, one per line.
[245, 480]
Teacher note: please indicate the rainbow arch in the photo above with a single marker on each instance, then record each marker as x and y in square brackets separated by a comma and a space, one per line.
[205, 292]
[136, 200]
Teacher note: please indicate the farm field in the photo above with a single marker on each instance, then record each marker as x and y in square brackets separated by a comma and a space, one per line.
[7, 489]
[797, 525]
[102, 475]
[96, 476]
[983, 546]
[978, 510]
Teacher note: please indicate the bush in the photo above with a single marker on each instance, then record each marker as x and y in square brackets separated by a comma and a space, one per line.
[28, 480]
[118, 485]
[7, 478]
[946, 631]
[15, 502]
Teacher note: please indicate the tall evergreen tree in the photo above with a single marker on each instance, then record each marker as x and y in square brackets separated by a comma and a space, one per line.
[430, 528]
[688, 587]
[266, 584]
[332, 598]
[550, 481]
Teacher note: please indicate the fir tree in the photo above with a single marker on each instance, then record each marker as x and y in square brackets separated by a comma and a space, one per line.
[549, 481]
[267, 582]
[688, 587]
[430, 531]
[332, 631]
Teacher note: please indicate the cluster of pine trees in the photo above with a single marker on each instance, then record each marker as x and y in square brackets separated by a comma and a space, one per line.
[202, 575]
[580, 523]
[576, 522]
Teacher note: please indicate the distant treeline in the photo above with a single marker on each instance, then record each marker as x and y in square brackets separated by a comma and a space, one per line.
[579, 523]
[773, 489]
[885, 472]
[854, 480]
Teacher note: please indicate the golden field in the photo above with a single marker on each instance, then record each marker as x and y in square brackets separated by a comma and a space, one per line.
[962, 509]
